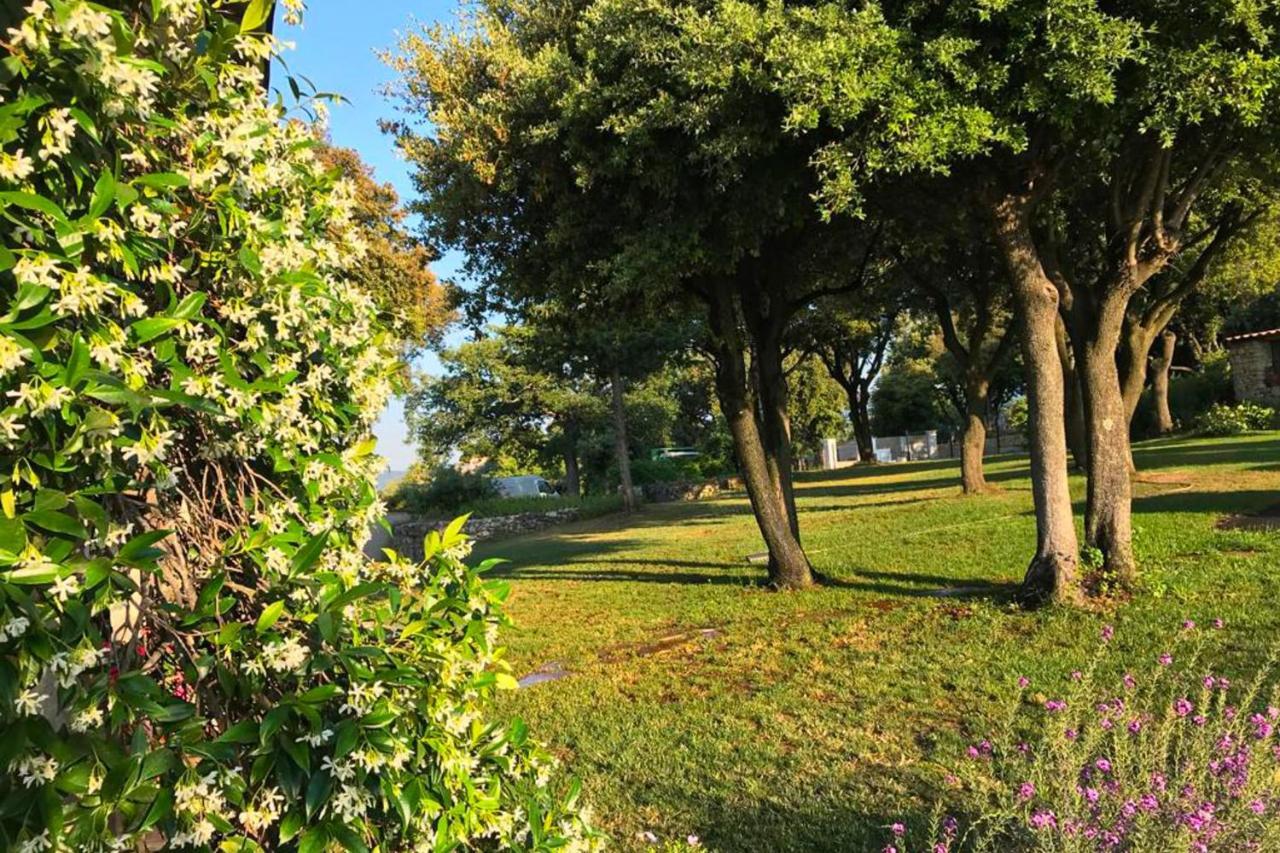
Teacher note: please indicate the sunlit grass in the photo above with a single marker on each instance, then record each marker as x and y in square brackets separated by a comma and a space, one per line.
[812, 720]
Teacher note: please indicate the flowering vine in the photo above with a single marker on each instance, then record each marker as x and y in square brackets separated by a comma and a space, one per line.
[194, 652]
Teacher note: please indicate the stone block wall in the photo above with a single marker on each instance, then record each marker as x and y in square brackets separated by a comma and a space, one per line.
[1253, 374]
[408, 531]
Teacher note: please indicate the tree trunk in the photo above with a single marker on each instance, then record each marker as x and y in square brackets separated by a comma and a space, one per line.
[974, 445]
[775, 422]
[1051, 575]
[620, 449]
[1108, 521]
[788, 565]
[1162, 367]
[1074, 401]
[572, 478]
[860, 414]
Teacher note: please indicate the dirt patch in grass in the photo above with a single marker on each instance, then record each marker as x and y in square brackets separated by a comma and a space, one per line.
[662, 644]
[1267, 519]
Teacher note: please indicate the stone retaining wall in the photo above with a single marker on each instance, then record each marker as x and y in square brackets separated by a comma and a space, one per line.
[408, 531]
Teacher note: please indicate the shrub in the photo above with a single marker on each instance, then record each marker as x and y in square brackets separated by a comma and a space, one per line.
[1222, 420]
[193, 651]
[1164, 755]
[646, 471]
[447, 492]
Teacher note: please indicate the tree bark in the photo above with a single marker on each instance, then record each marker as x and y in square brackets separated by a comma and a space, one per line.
[974, 446]
[620, 448]
[860, 414]
[1077, 442]
[1052, 573]
[775, 422]
[1161, 368]
[788, 565]
[572, 477]
[1108, 524]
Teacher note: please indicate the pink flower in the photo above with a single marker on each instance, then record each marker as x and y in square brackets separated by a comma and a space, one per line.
[1182, 706]
[1026, 791]
[1129, 681]
[648, 837]
[1187, 625]
[694, 841]
[1023, 681]
[1135, 726]
[940, 847]
[1166, 659]
[1208, 682]
[898, 829]
[1103, 765]
[1257, 807]
[889, 848]
[1071, 734]
[1077, 675]
[1107, 633]
[1218, 623]
[1043, 820]
[1054, 705]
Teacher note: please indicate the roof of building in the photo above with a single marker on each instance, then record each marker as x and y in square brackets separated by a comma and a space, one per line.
[1266, 334]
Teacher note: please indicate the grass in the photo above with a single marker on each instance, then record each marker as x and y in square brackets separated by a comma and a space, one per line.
[810, 721]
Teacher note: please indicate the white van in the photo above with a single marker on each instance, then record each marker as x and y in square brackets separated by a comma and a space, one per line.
[527, 486]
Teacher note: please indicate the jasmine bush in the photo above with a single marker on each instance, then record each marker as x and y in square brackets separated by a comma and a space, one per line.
[193, 651]
[1168, 755]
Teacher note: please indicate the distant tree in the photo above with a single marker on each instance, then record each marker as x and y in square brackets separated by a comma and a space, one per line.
[850, 335]
[495, 399]
[671, 173]
[396, 267]
[815, 404]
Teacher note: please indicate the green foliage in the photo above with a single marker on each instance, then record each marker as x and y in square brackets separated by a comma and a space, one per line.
[646, 471]
[447, 491]
[195, 652]
[1223, 420]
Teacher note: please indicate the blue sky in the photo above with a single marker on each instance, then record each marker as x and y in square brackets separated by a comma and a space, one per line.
[337, 48]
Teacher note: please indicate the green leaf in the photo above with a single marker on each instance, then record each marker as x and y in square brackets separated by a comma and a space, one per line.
[57, 522]
[13, 535]
[104, 192]
[77, 363]
[189, 307]
[313, 840]
[32, 575]
[31, 201]
[138, 549]
[245, 731]
[270, 616]
[257, 14]
[150, 328]
[162, 180]
[306, 556]
[318, 793]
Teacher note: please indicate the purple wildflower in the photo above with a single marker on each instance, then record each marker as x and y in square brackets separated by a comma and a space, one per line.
[1187, 625]
[1026, 791]
[1043, 820]
[1071, 734]
[898, 829]
[1135, 726]
[1182, 706]
[1023, 681]
[1107, 633]
[1103, 765]
[1054, 705]
[1166, 659]
[1257, 806]
[1218, 623]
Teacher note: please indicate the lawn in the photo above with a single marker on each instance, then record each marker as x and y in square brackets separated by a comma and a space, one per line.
[699, 703]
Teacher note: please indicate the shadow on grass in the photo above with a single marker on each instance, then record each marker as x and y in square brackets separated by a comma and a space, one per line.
[1223, 503]
[1158, 455]
[744, 578]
